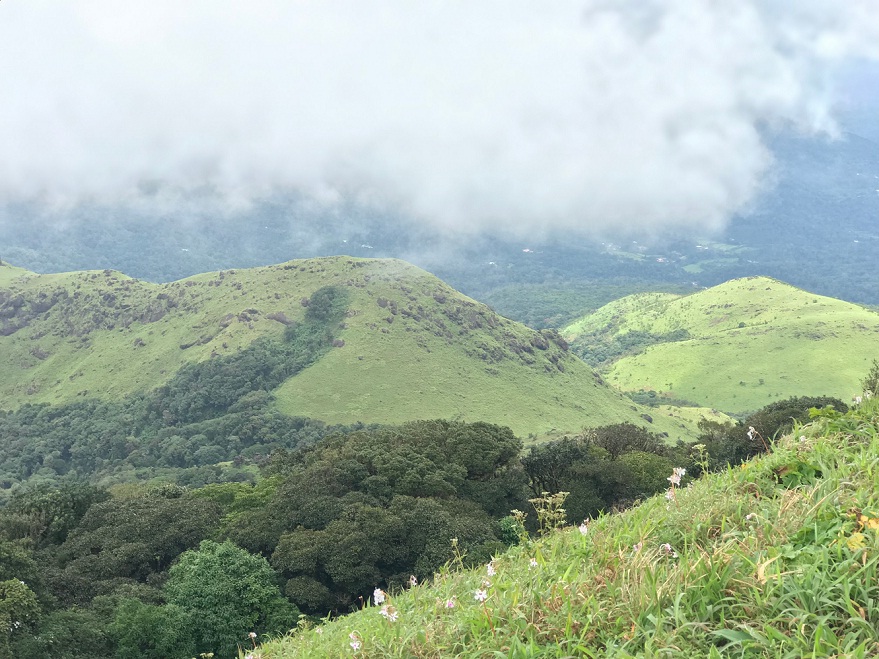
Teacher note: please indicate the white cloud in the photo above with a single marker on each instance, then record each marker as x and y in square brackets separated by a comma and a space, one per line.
[570, 114]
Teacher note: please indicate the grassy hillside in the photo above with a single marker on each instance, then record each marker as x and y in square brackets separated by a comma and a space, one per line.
[776, 558]
[736, 347]
[410, 348]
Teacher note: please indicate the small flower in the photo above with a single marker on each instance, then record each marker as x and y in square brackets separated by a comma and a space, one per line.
[249, 655]
[318, 630]
[532, 564]
[751, 433]
[637, 547]
[668, 550]
[858, 400]
[355, 641]
[670, 495]
[750, 516]
[675, 478]
[489, 569]
[450, 603]
[486, 583]
[413, 581]
[378, 596]
[584, 527]
[252, 635]
[389, 612]
[480, 595]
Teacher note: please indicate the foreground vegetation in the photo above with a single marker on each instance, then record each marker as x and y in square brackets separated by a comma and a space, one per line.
[778, 557]
[166, 571]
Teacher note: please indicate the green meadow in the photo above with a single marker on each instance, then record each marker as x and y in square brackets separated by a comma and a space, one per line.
[410, 347]
[735, 347]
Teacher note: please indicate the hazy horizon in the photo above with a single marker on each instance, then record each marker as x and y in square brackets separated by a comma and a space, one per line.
[515, 118]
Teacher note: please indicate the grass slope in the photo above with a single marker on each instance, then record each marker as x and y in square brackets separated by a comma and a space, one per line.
[776, 558]
[411, 347]
[750, 341]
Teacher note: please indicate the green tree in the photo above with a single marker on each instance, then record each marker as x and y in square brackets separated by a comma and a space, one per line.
[871, 380]
[18, 608]
[47, 513]
[147, 631]
[226, 593]
[125, 540]
[68, 634]
[18, 562]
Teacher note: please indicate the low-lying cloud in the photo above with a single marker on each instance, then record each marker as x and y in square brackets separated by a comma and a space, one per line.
[525, 115]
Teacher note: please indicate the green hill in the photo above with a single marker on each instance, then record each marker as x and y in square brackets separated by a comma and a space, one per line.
[778, 558]
[410, 348]
[736, 347]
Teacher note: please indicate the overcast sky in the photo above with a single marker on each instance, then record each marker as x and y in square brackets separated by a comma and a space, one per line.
[473, 114]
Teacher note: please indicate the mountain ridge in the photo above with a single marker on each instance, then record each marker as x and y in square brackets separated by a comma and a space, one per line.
[102, 334]
[735, 346]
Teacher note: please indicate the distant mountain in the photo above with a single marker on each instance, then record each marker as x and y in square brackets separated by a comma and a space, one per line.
[736, 347]
[409, 347]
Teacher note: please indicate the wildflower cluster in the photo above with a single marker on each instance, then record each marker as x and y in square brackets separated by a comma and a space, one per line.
[667, 550]
[389, 613]
[675, 480]
[481, 594]
[387, 610]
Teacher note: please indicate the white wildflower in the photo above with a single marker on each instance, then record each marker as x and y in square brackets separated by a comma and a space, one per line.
[480, 595]
[389, 612]
[378, 596]
[667, 549]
